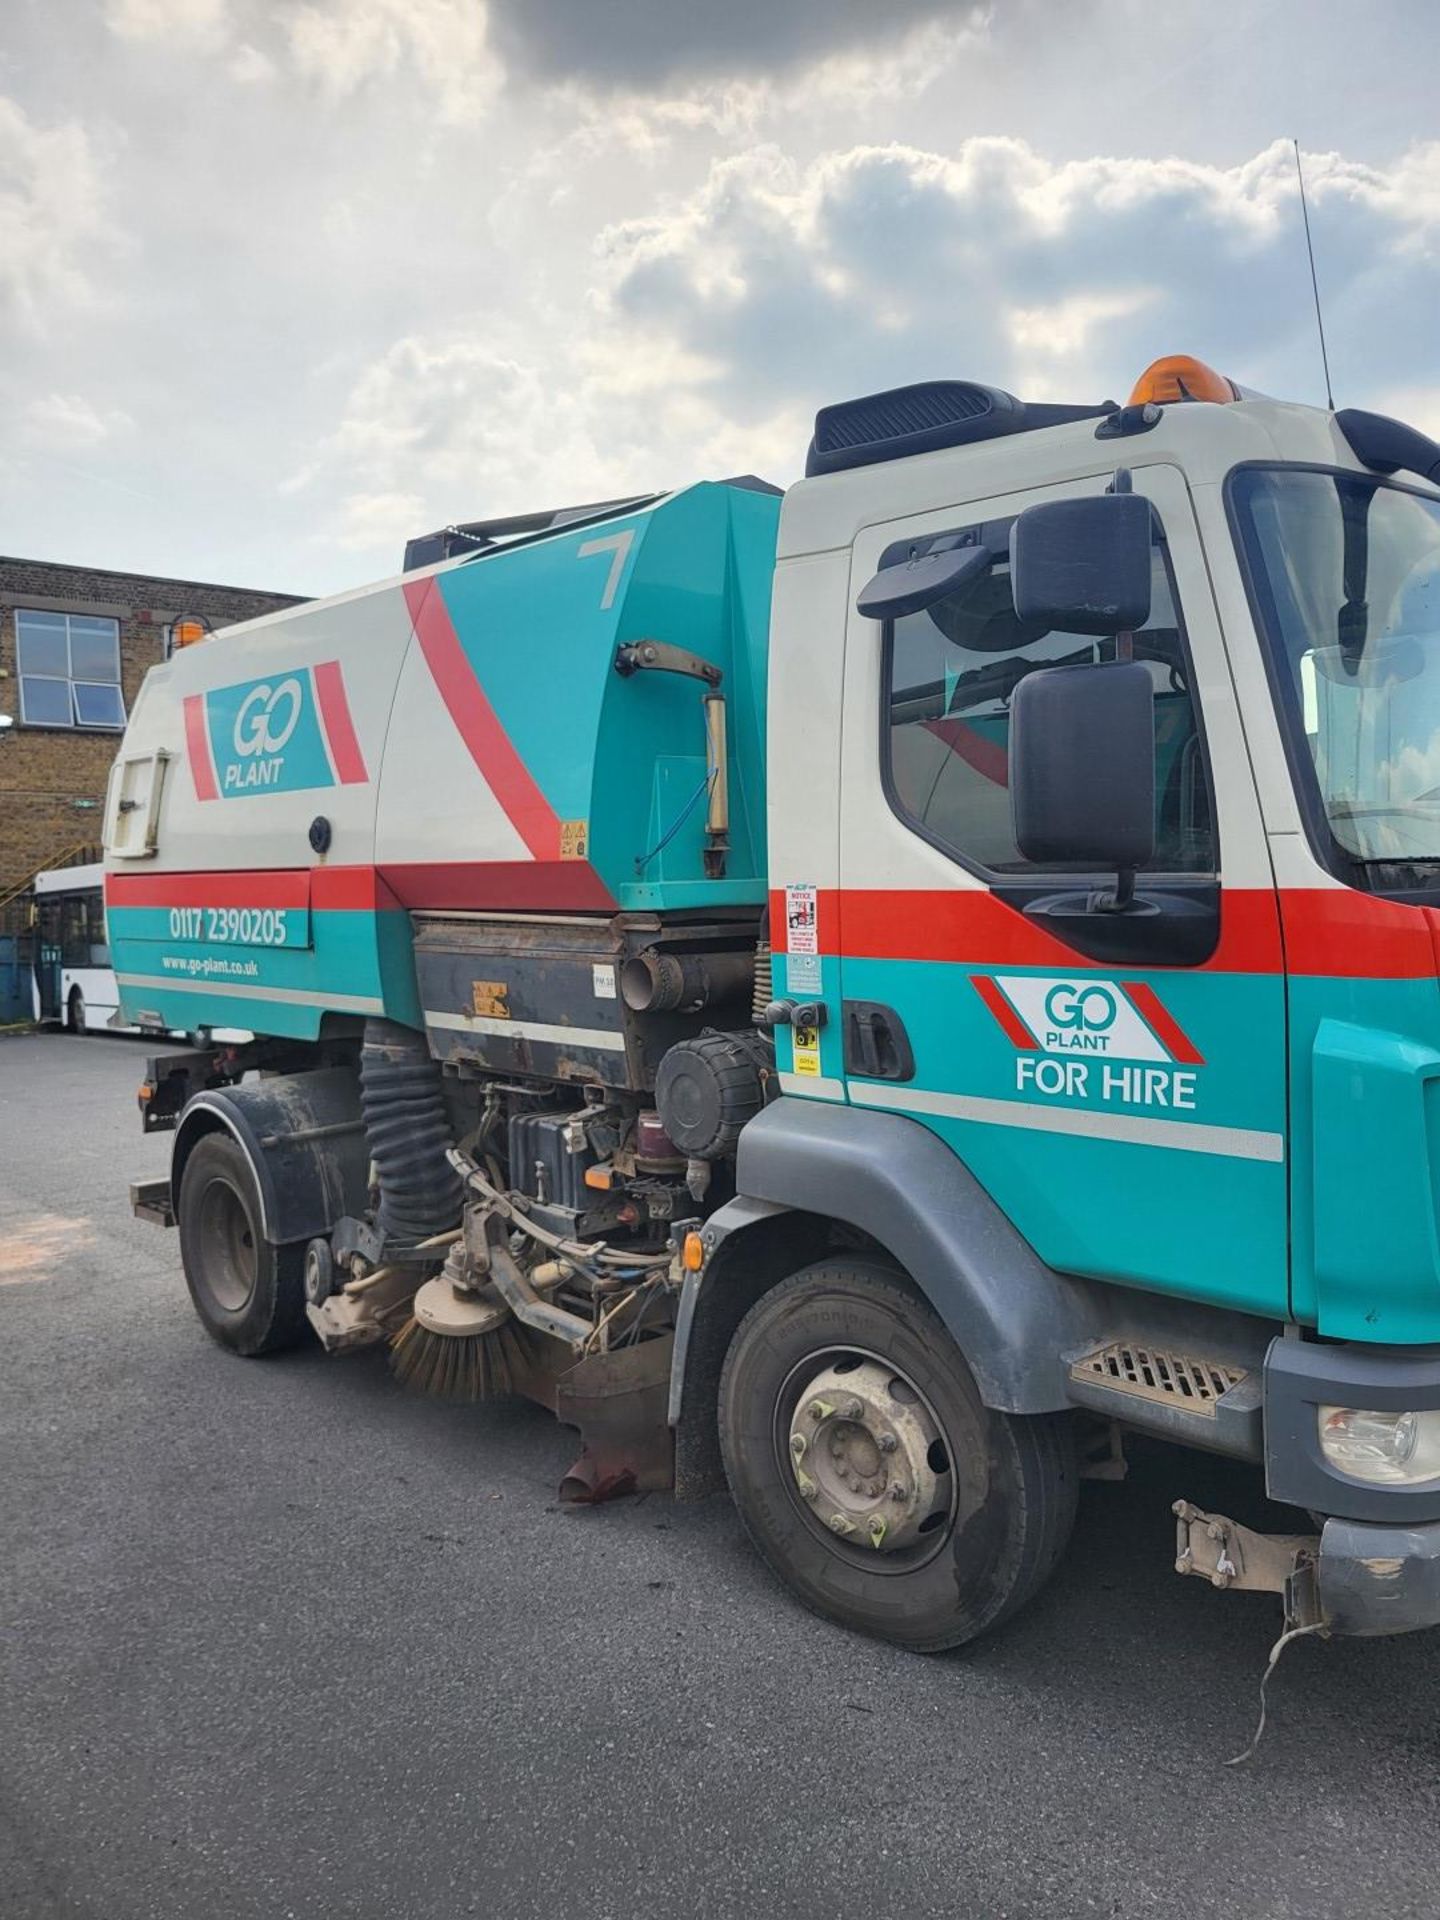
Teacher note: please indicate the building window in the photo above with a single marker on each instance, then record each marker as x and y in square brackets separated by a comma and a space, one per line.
[69, 670]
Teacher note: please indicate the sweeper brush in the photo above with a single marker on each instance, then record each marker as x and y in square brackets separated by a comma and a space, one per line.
[459, 1343]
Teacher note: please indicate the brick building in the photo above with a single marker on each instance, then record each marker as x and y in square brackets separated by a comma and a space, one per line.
[75, 643]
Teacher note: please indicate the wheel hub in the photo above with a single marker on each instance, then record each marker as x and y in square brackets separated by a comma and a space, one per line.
[863, 1449]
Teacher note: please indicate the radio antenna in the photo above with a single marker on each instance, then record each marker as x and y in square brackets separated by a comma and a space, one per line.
[1314, 282]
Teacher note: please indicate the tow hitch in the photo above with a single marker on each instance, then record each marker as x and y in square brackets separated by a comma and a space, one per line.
[1226, 1554]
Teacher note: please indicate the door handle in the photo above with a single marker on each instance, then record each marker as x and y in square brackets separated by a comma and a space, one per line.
[877, 1046]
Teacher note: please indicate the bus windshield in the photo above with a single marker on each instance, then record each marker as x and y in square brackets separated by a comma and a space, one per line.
[1347, 575]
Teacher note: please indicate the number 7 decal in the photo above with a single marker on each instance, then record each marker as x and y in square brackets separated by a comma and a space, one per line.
[618, 544]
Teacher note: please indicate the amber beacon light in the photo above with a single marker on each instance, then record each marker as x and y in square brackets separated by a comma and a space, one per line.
[1179, 377]
[188, 631]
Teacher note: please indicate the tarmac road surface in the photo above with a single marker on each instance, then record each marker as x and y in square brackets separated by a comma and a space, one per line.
[280, 1640]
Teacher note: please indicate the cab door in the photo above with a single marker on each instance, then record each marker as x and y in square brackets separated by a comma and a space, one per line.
[1123, 1103]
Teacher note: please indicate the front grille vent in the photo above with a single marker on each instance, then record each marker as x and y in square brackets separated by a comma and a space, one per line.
[1158, 1373]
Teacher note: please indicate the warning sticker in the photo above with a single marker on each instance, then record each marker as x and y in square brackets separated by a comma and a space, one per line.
[806, 1042]
[802, 942]
[801, 914]
[574, 839]
[491, 999]
[604, 979]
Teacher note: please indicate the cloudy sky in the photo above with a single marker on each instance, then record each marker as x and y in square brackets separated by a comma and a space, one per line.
[285, 281]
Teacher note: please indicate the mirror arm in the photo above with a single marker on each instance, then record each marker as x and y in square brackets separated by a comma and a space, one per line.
[1122, 900]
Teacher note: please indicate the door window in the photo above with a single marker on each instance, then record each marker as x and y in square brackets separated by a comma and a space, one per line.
[950, 672]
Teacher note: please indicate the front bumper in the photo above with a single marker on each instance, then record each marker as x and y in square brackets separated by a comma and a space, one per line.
[1376, 1579]
[1378, 1565]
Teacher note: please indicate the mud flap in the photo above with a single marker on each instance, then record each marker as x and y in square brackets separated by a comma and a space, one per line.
[619, 1401]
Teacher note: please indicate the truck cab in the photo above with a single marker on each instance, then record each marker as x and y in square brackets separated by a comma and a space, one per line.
[1223, 1097]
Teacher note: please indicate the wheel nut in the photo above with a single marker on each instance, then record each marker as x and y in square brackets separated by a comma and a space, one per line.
[897, 1492]
[887, 1443]
[797, 1444]
[856, 1410]
[818, 1409]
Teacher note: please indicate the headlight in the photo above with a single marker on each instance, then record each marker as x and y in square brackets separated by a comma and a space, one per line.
[1391, 1449]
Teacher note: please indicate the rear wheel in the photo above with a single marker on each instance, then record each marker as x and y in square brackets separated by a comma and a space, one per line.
[249, 1294]
[868, 1471]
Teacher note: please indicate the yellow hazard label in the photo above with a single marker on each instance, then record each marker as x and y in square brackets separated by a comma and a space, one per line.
[491, 998]
[574, 839]
[806, 1043]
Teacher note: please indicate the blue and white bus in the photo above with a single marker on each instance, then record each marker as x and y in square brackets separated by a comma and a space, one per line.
[73, 984]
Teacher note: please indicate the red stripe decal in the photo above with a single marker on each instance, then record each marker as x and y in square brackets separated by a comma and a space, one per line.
[336, 889]
[289, 887]
[969, 927]
[197, 748]
[1016, 1031]
[519, 885]
[1166, 1028]
[1338, 932]
[339, 727]
[511, 781]
[543, 886]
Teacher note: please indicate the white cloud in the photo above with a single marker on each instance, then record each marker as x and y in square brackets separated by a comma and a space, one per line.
[447, 428]
[50, 212]
[342, 46]
[880, 264]
[710, 331]
[203, 24]
[70, 420]
[338, 47]
[249, 66]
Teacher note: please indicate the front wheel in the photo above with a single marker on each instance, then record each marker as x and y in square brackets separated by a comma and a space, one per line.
[869, 1473]
[249, 1295]
[75, 1012]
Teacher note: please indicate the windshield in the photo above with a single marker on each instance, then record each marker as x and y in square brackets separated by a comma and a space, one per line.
[1348, 577]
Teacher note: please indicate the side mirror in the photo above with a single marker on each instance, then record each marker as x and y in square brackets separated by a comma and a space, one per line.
[1083, 566]
[1082, 769]
[1389, 446]
[916, 584]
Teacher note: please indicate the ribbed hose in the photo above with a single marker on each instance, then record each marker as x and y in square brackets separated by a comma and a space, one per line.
[407, 1131]
[764, 991]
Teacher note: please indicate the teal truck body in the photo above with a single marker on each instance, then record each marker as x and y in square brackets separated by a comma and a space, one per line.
[871, 996]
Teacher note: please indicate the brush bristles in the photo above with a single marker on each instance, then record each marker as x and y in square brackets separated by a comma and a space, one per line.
[458, 1367]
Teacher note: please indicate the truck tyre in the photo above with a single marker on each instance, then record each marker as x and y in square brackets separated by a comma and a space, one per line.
[75, 1012]
[868, 1471]
[250, 1295]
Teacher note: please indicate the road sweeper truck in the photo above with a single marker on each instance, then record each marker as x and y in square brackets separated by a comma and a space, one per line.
[869, 997]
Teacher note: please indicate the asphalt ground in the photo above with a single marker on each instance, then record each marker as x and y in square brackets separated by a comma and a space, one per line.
[280, 1640]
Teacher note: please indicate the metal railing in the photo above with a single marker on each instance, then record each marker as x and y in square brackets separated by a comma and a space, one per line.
[83, 853]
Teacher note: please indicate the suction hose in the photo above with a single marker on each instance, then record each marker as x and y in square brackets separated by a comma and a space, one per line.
[407, 1132]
